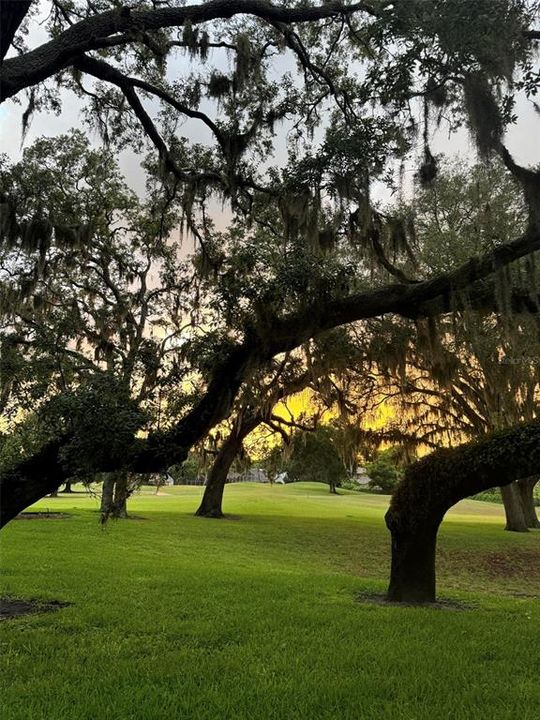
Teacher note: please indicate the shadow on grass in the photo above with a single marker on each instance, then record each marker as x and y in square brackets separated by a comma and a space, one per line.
[11, 608]
[372, 598]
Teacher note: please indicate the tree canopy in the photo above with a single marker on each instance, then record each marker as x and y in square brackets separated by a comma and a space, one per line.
[305, 248]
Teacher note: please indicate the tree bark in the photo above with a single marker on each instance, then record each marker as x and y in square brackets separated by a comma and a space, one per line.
[12, 13]
[433, 485]
[513, 508]
[121, 494]
[67, 487]
[211, 503]
[412, 574]
[212, 500]
[31, 480]
[107, 496]
[526, 490]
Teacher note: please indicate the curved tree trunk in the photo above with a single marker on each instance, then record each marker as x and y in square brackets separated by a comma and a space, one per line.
[433, 485]
[513, 508]
[526, 490]
[211, 503]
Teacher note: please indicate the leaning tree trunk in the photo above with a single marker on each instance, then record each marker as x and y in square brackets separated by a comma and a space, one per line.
[211, 503]
[433, 485]
[526, 490]
[513, 508]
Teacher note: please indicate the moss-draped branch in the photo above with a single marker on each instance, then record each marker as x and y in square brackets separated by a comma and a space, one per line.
[95, 32]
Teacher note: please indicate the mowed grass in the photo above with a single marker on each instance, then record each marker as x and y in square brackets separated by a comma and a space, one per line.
[255, 616]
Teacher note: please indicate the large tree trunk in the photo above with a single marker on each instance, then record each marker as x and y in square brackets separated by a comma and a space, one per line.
[67, 487]
[433, 485]
[211, 503]
[526, 490]
[513, 508]
[412, 574]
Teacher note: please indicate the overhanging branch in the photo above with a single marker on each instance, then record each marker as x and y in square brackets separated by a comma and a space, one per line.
[91, 34]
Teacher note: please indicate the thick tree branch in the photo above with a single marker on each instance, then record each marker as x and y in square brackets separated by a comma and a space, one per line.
[436, 483]
[441, 294]
[12, 13]
[91, 33]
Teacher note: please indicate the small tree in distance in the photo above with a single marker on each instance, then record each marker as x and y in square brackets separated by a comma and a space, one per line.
[384, 471]
[314, 458]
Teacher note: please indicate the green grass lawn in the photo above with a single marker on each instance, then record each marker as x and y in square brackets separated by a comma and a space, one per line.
[255, 616]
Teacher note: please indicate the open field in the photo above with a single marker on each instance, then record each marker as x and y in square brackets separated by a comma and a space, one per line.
[255, 617]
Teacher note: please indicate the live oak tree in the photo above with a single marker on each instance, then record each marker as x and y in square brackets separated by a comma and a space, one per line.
[433, 485]
[362, 66]
[476, 372]
[312, 456]
[295, 372]
[83, 293]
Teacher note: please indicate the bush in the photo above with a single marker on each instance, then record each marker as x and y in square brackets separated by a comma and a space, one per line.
[494, 495]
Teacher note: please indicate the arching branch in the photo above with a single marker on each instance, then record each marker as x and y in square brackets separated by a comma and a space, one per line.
[435, 296]
[436, 483]
[94, 32]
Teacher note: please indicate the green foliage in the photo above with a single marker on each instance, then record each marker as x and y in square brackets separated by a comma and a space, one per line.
[494, 496]
[88, 297]
[24, 440]
[385, 471]
[187, 473]
[100, 420]
[465, 211]
[312, 456]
